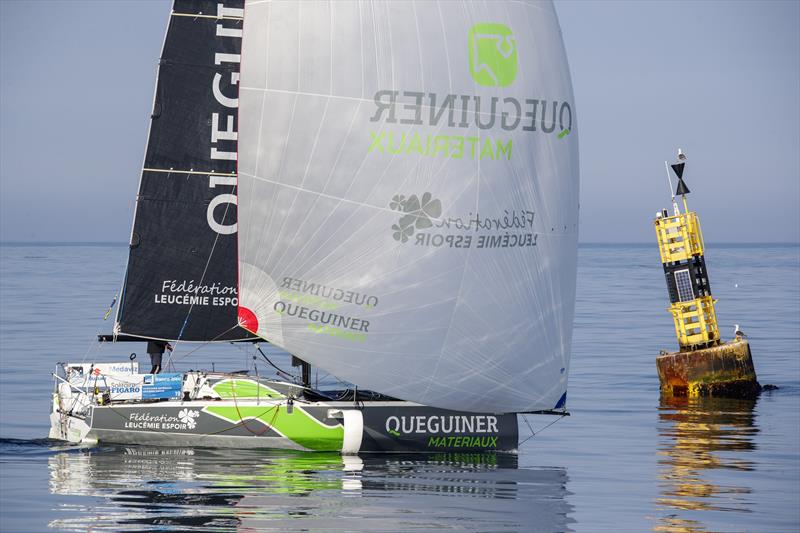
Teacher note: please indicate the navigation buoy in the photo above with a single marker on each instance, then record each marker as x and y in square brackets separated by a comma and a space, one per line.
[704, 364]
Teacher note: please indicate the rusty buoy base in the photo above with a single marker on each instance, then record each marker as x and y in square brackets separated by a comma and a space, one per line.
[723, 371]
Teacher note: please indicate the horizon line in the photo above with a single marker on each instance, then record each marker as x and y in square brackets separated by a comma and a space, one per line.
[580, 243]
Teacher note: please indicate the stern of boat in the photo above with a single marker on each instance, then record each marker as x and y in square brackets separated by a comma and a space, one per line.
[68, 428]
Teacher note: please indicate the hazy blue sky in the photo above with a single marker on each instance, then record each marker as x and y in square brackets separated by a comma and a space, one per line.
[719, 79]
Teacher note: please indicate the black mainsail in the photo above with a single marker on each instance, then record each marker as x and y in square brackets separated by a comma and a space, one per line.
[181, 279]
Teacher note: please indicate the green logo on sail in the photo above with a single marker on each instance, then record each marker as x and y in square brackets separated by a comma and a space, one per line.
[492, 54]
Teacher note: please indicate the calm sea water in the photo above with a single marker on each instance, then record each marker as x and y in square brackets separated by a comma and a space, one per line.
[625, 460]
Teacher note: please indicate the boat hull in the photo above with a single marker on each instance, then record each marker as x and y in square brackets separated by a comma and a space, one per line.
[369, 426]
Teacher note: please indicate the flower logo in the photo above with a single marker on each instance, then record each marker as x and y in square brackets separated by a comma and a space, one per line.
[418, 214]
[188, 417]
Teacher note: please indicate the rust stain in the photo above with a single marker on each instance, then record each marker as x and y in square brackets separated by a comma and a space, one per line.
[725, 370]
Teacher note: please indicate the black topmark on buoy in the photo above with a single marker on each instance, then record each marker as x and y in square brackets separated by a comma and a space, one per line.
[682, 189]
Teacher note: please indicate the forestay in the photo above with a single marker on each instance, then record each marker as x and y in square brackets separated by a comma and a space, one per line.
[408, 196]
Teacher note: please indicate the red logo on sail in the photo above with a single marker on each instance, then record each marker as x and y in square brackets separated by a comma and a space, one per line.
[248, 320]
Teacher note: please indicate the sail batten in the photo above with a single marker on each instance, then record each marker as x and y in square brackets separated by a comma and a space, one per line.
[408, 184]
[191, 172]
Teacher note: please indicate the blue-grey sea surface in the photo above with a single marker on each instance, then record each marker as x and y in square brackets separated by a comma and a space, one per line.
[626, 460]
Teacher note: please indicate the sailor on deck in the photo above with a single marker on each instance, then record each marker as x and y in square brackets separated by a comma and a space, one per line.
[155, 349]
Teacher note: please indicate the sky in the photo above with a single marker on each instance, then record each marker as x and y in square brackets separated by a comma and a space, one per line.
[719, 79]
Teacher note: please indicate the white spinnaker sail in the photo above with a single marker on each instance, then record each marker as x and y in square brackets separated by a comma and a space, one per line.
[408, 196]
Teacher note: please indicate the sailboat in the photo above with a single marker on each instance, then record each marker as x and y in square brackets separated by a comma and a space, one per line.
[385, 190]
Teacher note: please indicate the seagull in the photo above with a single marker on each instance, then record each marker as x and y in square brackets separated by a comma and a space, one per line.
[739, 333]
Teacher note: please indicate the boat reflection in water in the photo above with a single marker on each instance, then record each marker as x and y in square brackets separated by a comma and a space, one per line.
[208, 490]
[702, 442]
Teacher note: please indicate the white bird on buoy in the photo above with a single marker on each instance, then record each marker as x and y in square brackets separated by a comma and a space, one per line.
[739, 333]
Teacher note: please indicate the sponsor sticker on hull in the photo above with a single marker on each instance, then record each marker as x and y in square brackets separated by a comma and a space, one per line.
[428, 429]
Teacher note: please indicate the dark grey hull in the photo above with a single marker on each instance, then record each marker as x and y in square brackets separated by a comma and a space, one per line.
[393, 426]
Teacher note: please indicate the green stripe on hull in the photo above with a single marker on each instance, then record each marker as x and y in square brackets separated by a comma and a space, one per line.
[244, 388]
[299, 426]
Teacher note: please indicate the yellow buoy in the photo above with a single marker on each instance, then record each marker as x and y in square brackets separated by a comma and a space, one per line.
[704, 365]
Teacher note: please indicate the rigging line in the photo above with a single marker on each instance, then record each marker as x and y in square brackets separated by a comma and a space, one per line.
[202, 279]
[93, 347]
[273, 364]
[241, 423]
[242, 420]
[533, 434]
[90, 349]
[527, 423]
[169, 359]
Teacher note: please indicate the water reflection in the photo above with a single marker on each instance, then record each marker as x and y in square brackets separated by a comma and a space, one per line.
[144, 488]
[699, 436]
